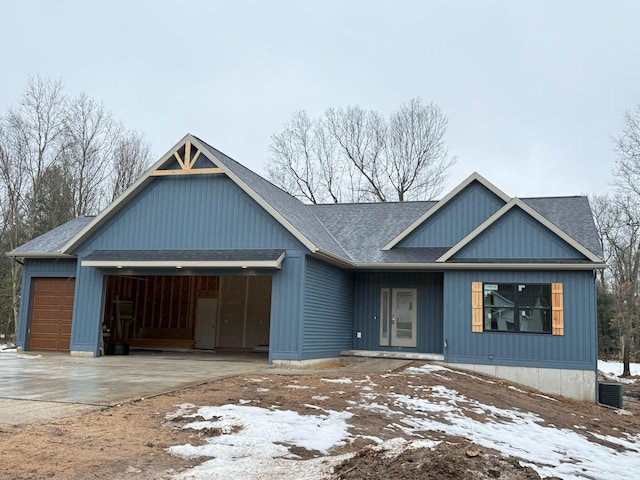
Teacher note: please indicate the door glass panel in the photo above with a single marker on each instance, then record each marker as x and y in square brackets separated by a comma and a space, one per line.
[384, 317]
[404, 315]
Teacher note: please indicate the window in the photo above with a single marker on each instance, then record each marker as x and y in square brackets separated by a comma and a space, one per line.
[517, 307]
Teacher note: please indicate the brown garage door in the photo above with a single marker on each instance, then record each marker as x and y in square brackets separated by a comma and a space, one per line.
[51, 312]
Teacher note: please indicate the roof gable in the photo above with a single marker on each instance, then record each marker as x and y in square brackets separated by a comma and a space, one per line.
[515, 229]
[191, 156]
[456, 218]
[433, 228]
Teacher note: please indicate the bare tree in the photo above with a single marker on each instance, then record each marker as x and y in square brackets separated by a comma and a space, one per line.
[332, 169]
[627, 145]
[131, 157]
[618, 220]
[59, 158]
[90, 139]
[34, 130]
[623, 244]
[296, 163]
[351, 154]
[417, 157]
[361, 137]
[604, 216]
[12, 232]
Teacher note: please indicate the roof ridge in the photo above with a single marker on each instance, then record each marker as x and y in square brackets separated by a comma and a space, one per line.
[551, 197]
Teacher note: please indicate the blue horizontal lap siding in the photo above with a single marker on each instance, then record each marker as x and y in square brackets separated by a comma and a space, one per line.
[461, 215]
[518, 235]
[576, 349]
[328, 310]
[191, 212]
[38, 268]
[367, 309]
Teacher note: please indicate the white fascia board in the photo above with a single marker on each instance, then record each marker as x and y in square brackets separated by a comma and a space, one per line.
[277, 264]
[119, 202]
[334, 259]
[516, 202]
[475, 176]
[38, 255]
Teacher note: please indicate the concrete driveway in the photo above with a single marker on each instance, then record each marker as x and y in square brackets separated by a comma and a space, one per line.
[113, 379]
[43, 387]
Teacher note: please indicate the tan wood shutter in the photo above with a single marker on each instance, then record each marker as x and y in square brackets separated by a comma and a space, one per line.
[557, 309]
[476, 307]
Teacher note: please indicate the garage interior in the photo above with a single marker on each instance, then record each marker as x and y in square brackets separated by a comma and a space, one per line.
[230, 313]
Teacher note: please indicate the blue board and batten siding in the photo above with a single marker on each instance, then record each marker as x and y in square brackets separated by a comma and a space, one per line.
[286, 309]
[429, 328]
[328, 310]
[576, 349]
[38, 268]
[457, 218]
[194, 212]
[516, 235]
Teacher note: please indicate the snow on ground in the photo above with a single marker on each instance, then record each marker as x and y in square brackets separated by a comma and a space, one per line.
[549, 450]
[7, 348]
[613, 370]
[251, 442]
[247, 442]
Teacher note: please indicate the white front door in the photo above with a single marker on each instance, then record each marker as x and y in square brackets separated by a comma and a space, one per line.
[403, 317]
[398, 317]
[205, 335]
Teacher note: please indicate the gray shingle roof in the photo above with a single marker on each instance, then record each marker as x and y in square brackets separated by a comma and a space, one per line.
[52, 241]
[353, 232]
[362, 229]
[571, 214]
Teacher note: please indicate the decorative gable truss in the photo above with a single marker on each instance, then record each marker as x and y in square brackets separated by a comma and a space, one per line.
[185, 163]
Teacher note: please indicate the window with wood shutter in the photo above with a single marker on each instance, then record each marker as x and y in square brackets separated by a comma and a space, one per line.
[557, 309]
[517, 308]
[476, 307]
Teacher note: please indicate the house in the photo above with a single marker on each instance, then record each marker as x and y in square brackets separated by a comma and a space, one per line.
[203, 253]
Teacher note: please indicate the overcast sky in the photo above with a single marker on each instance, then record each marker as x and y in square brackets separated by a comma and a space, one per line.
[533, 90]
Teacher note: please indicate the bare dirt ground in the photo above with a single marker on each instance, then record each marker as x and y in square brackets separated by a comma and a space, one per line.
[129, 441]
